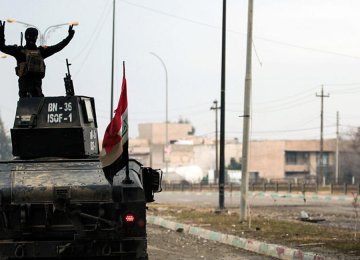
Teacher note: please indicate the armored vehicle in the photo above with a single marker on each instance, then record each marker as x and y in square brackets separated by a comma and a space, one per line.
[55, 201]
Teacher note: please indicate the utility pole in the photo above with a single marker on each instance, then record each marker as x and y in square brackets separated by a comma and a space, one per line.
[216, 108]
[246, 119]
[222, 114]
[321, 168]
[166, 146]
[337, 149]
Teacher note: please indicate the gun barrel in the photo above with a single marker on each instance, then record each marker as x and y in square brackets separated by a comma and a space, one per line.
[68, 67]
[69, 87]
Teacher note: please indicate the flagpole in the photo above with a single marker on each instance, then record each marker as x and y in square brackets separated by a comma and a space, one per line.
[115, 153]
[127, 179]
[112, 64]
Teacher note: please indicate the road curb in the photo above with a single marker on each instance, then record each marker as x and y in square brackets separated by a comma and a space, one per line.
[277, 251]
[276, 195]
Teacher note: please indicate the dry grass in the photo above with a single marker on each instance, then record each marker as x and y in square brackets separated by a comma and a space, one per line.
[292, 233]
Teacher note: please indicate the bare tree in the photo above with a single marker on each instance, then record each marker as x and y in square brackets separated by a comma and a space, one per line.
[350, 156]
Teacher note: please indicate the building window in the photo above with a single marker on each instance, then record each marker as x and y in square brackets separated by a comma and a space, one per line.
[297, 174]
[296, 158]
[290, 157]
[325, 159]
[303, 158]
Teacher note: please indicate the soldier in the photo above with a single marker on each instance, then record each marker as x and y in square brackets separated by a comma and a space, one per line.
[30, 59]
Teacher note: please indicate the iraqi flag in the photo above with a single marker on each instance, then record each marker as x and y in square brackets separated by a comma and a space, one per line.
[114, 154]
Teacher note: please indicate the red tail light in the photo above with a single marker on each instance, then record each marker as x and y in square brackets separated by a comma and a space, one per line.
[129, 218]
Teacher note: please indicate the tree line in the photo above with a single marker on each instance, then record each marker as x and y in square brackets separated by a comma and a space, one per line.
[349, 156]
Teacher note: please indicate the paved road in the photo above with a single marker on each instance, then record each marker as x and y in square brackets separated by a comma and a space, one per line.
[232, 199]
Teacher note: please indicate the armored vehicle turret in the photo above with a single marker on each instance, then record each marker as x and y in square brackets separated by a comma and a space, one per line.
[55, 201]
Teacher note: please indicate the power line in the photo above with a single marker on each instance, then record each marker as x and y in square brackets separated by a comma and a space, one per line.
[287, 103]
[291, 130]
[342, 84]
[291, 99]
[91, 45]
[171, 15]
[350, 126]
[308, 48]
[297, 95]
[283, 107]
[346, 91]
[238, 32]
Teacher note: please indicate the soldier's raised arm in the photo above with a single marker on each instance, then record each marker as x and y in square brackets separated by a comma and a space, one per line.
[50, 50]
[2, 32]
[8, 49]
[71, 31]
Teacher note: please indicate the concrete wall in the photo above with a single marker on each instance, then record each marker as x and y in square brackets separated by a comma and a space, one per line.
[157, 156]
[267, 158]
[204, 157]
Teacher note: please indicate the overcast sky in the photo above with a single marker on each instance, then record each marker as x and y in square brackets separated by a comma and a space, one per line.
[299, 45]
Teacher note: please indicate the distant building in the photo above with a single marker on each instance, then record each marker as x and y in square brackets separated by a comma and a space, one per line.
[155, 133]
[269, 159]
[173, 154]
[140, 150]
[291, 158]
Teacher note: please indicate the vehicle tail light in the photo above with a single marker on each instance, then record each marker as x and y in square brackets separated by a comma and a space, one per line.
[129, 218]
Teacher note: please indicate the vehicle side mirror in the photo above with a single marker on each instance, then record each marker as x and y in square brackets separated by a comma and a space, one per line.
[151, 182]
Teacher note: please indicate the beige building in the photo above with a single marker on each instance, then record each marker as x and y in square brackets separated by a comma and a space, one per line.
[290, 158]
[180, 148]
[139, 149]
[269, 159]
[155, 133]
